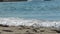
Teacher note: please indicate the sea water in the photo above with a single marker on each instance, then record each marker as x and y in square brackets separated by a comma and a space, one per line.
[30, 13]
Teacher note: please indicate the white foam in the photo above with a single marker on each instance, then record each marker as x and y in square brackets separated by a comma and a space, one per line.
[28, 22]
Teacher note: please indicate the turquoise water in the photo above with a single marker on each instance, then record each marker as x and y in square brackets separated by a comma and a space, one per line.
[35, 13]
[45, 10]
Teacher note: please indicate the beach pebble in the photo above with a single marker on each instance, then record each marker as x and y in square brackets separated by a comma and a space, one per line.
[35, 30]
[29, 33]
[4, 25]
[7, 30]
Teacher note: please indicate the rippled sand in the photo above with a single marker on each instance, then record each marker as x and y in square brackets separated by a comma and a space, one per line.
[26, 30]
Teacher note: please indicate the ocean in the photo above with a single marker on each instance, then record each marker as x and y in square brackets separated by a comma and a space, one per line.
[30, 13]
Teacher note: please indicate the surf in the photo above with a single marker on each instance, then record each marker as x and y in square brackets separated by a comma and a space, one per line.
[28, 22]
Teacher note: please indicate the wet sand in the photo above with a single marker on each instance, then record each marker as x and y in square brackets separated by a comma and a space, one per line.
[26, 30]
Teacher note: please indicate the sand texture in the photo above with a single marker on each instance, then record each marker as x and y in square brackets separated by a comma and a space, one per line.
[26, 30]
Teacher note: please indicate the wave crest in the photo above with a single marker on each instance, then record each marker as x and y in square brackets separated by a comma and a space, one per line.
[28, 22]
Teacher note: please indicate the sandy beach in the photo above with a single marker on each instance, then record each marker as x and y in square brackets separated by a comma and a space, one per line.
[26, 30]
[30, 17]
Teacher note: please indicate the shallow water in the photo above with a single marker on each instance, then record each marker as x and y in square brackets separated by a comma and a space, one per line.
[45, 10]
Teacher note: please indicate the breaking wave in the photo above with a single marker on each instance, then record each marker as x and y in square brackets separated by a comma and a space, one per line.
[29, 22]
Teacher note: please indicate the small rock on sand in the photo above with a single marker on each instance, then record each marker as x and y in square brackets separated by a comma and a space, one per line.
[7, 30]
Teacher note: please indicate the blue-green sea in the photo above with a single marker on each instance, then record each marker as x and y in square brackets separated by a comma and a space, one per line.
[35, 9]
[31, 13]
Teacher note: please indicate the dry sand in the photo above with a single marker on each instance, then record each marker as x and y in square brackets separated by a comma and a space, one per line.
[26, 30]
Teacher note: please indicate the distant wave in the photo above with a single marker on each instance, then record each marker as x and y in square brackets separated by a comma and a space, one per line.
[29, 22]
[35, 0]
[29, 0]
[44, 0]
